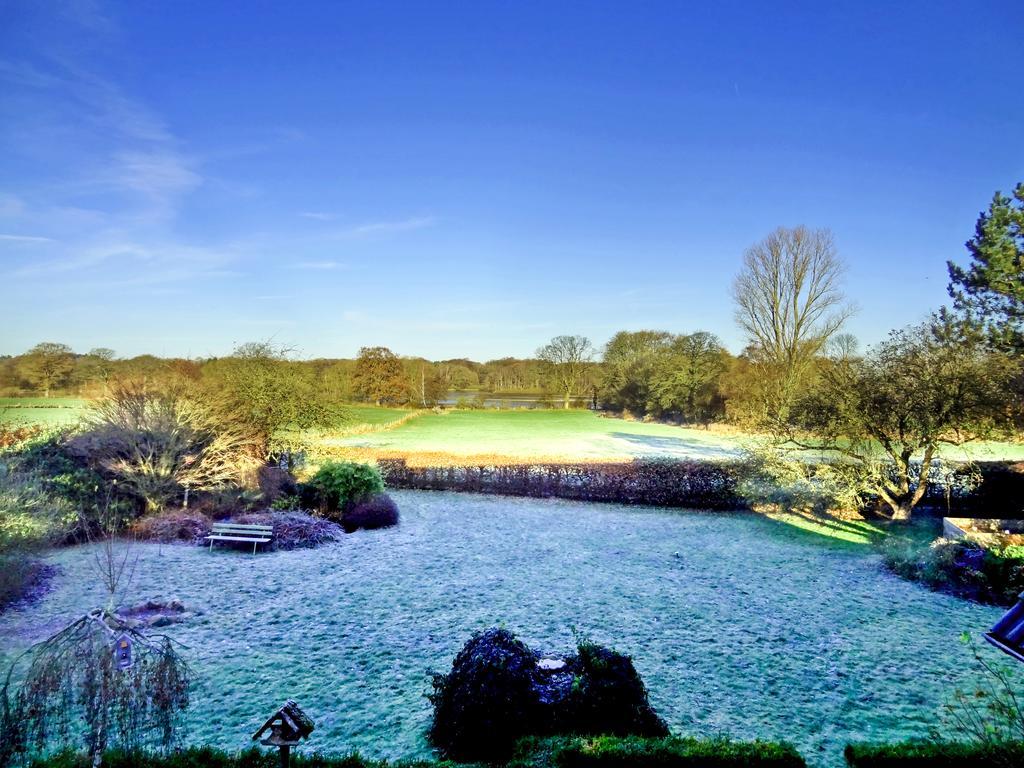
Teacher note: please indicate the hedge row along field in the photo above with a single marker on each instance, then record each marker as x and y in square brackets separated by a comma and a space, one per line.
[664, 483]
[599, 752]
[668, 483]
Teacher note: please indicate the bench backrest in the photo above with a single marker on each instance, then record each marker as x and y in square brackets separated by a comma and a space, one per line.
[243, 529]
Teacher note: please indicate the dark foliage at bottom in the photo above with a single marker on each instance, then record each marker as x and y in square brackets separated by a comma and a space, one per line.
[205, 757]
[668, 752]
[496, 693]
[914, 754]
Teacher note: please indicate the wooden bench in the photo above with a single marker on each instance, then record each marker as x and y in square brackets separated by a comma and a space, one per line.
[257, 534]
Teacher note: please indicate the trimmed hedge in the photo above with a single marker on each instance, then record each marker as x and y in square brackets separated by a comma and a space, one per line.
[923, 754]
[668, 752]
[556, 752]
[657, 482]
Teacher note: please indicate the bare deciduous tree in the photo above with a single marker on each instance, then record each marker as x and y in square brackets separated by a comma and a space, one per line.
[566, 359]
[789, 302]
[100, 681]
[156, 443]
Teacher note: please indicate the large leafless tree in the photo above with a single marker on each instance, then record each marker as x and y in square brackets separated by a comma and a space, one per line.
[566, 361]
[789, 301]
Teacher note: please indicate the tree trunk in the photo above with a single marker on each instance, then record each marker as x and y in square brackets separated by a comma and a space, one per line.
[566, 402]
[902, 510]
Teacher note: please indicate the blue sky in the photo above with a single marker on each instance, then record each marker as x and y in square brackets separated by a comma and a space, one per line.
[472, 178]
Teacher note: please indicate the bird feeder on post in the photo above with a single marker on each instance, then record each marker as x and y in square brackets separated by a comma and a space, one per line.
[286, 727]
[123, 652]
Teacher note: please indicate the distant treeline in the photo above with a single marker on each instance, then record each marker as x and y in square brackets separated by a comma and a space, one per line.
[688, 377]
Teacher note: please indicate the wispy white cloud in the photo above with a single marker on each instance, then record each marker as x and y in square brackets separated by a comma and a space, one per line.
[110, 215]
[403, 225]
[382, 227]
[25, 239]
[127, 262]
[324, 264]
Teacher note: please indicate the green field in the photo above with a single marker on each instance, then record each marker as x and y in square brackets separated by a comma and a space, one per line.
[536, 434]
[564, 435]
[738, 624]
[46, 411]
[573, 434]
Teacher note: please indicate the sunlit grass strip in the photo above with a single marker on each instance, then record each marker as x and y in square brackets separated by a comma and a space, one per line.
[421, 459]
[365, 429]
[839, 529]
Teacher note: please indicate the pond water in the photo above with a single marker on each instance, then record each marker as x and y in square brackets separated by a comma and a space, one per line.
[738, 625]
[506, 400]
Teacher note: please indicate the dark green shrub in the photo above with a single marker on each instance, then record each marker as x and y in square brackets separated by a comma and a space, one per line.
[60, 482]
[608, 696]
[377, 511]
[497, 694]
[921, 754]
[338, 484]
[487, 701]
[666, 752]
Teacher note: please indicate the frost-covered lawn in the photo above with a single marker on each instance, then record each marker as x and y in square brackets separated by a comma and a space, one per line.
[739, 624]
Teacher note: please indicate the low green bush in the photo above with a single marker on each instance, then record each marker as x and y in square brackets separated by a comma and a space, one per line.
[922, 754]
[961, 567]
[667, 752]
[338, 484]
[43, 468]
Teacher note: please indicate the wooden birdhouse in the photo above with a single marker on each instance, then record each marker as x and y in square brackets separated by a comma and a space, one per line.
[1008, 633]
[284, 729]
[123, 652]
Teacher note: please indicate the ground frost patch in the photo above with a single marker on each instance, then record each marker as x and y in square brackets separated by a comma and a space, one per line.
[737, 624]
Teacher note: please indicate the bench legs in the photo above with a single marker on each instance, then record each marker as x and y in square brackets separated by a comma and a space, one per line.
[254, 545]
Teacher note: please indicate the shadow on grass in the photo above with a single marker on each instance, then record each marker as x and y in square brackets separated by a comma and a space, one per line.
[677, 446]
[824, 528]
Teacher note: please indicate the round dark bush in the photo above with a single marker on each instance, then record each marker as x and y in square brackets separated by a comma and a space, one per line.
[610, 697]
[498, 693]
[487, 702]
[377, 511]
